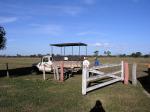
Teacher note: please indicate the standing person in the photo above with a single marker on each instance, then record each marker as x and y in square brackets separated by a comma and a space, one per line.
[97, 62]
[86, 62]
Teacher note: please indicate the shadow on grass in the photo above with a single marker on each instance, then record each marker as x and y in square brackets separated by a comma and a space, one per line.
[145, 81]
[98, 107]
[102, 80]
[17, 72]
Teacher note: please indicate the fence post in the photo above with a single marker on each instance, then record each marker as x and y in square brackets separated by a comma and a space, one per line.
[7, 72]
[134, 80]
[57, 74]
[84, 76]
[54, 71]
[126, 74]
[44, 71]
[122, 70]
[62, 72]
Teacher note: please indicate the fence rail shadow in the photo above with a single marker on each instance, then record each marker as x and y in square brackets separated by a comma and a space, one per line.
[17, 72]
[145, 81]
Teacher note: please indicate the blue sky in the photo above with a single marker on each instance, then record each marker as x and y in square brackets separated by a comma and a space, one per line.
[121, 26]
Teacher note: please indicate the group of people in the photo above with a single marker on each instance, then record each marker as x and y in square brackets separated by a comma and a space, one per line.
[87, 63]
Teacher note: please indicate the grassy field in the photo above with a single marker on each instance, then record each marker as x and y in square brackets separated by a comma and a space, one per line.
[26, 92]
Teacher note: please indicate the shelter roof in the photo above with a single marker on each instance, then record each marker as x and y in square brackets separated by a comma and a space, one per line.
[68, 44]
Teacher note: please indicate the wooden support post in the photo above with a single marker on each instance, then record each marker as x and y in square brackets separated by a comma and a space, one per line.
[57, 74]
[7, 72]
[54, 71]
[61, 50]
[134, 80]
[79, 50]
[84, 79]
[44, 72]
[72, 50]
[51, 50]
[62, 72]
[86, 50]
[41, 59]
[64, 51]
[126, 74]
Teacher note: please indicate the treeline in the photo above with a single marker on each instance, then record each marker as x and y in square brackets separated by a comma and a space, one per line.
[134, 54]
[19, 55]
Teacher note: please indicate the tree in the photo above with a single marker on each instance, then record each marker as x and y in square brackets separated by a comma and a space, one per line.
[146, 56]
[137, 54]
[18, 55]
[108, 53]
[122, 55]
[2, 38]
[105, 52]
[96, 53]
[39, 55]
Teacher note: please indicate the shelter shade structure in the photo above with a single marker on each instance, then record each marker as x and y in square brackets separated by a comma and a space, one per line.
[64, 45]
[72, 50]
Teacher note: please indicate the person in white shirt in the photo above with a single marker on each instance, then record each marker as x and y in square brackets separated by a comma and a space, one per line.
[86, 63]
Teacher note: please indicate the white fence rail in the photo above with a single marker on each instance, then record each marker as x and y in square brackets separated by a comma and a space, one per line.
[86, 78]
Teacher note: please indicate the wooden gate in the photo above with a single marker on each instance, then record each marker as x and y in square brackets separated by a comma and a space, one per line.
[87, 77]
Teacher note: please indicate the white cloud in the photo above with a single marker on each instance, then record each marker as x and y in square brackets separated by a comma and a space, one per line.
[100, 44]
[46, 29]
[7, 19]
[71, 10]
[11, 40]
[63, 9]
[35, 29]
[84, 33]
[41, 9]
[90, 33]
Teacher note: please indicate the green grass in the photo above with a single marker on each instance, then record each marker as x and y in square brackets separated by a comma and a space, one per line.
[29, 93]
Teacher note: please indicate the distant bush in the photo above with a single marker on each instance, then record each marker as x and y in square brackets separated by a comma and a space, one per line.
[146, 55]
[136, 54]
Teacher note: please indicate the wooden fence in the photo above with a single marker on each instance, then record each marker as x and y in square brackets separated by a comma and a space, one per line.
[86, 77]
